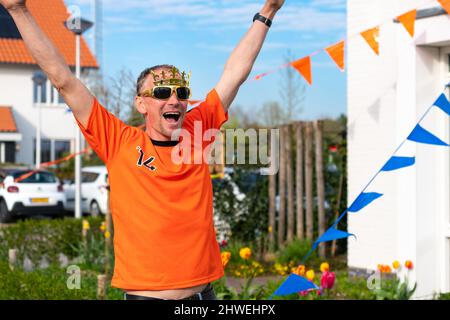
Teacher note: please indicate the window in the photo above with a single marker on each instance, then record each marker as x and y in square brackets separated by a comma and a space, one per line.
[8, 29]
[38, 177]
[45, 150]
[39, 89]
[62, 149]
[46, 94]
[10, 152]
[89, 176]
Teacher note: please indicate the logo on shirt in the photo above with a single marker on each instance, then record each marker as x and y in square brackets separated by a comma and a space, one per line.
[146, 163]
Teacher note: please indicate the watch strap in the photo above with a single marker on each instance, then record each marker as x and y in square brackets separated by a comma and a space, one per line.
[263, 19]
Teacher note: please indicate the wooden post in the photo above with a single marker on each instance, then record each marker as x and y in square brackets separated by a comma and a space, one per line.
[299, 180]
[338, 204]
[290, 186]
[12, 257]
[282, 188]
[318, 128]
[108, 233]
[272, 200]
[101, 286]
[309, 181]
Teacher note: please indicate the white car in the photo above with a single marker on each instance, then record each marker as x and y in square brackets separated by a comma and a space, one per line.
[94, 191]
[39, 193]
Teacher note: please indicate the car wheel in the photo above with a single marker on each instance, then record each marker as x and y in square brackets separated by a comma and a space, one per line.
[94, 210]
[5, 215]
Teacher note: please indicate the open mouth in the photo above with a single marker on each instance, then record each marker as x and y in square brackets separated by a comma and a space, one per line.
[172, 117]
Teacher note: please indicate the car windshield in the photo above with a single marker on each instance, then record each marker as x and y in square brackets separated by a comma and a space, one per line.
[37, 177]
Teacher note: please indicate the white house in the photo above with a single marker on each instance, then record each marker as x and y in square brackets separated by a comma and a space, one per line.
[22, 99]
[387, 95]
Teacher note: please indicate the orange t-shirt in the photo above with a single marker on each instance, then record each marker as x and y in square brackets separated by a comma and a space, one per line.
[162, 211]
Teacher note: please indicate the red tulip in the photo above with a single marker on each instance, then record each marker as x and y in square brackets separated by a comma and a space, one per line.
[303, 293]
[409, 264]
[327, 281]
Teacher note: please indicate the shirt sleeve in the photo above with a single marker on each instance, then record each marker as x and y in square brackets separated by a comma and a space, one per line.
[210, 112]
[104, 132]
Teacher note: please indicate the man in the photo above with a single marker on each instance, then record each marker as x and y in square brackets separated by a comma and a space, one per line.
[164, 238]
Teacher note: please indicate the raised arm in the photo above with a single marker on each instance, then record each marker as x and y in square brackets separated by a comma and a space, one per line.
[76, 95]
[241, 60]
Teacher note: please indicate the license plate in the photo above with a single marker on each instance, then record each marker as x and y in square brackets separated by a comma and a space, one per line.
[39, 200]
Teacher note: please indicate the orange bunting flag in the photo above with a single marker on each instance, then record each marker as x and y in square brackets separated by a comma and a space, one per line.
[193, 102]
[371, 37]
[303, 66]
[445, 4]
[408, 20]
[336, 52]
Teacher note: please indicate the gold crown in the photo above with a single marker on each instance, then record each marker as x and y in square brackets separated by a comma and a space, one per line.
[171, 80]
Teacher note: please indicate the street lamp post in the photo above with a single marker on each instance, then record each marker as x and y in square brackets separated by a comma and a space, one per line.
[78, 26]
[39, 79]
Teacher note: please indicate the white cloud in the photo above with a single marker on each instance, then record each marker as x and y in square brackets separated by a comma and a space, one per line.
[314, 15]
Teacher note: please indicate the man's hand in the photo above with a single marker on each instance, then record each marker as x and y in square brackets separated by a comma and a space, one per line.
[47, 56]
[241, 60]
[13, 4]
[275, 4]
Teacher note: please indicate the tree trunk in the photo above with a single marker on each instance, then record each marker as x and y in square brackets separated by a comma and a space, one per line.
[299, 180]
[338, 205]
[318, 128]
[272, 199]
[309, 181]
[290, 186]
[282, 188]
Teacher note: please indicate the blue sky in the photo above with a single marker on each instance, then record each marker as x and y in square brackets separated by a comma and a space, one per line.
[199, 35]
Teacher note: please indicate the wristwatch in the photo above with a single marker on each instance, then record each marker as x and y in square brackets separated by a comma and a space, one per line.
[263, 19]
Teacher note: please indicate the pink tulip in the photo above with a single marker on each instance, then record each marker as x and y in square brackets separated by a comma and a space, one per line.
[327, 281]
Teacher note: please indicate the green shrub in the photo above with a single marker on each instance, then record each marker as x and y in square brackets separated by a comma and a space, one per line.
[49, 284]
[295, 251]
[46, 239]
[247, 218]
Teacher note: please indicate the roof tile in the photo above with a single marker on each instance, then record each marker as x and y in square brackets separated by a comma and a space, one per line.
[15, 51]
[7, 122]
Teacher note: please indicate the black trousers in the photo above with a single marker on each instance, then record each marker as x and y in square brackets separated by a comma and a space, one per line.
[206, 294]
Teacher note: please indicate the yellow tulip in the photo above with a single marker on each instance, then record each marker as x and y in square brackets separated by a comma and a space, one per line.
[310, 275]
[103, 227]
[107, 234]
[396, 264]
[85, 225]
[270, 229]
[324, 267]
[245, 253]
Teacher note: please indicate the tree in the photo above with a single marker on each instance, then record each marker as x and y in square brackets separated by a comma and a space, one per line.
[117, 95]
[272, 114]
[292, 91]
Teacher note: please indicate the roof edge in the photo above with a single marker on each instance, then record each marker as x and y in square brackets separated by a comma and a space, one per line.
[428, 13]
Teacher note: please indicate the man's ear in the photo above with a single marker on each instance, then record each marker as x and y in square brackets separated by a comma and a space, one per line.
[139, 104]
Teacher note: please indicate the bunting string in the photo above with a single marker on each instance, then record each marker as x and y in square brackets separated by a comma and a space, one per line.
[394, 162]
[337, 51]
